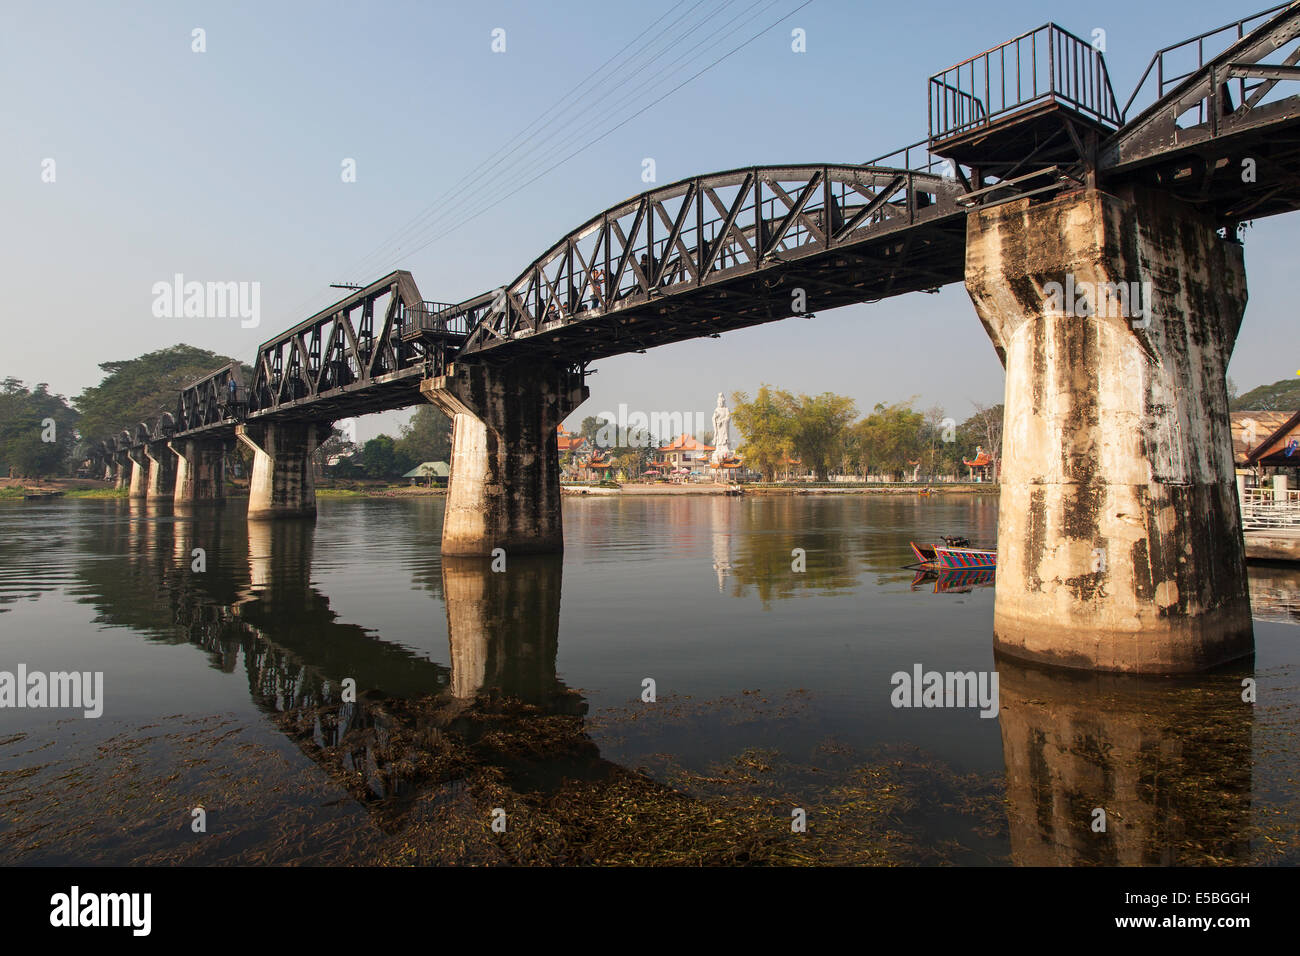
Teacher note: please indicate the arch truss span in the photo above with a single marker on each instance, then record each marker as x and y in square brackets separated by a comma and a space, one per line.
[366, 352]
[212, 402]
[722, 251]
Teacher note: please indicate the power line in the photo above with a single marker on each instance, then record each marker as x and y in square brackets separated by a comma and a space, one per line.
[446, 212]
[616, 127]
[505, 149]
[469, 191]
[489, 186]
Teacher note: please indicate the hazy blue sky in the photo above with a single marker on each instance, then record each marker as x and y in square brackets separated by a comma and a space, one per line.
[226, 165]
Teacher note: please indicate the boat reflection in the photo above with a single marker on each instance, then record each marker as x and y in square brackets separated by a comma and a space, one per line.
[960, 581]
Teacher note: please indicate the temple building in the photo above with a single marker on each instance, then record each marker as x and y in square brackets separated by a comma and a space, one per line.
[981, 466]
[596, 467]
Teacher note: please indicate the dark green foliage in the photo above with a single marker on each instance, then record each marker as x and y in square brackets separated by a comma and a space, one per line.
[141, 389]
[38, 431]
[1282, 396]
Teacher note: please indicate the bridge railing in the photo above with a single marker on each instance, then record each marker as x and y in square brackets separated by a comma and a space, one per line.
[1270, 508]
[917, 158]
[1045, 65]
[1174, 64]
[437, 317]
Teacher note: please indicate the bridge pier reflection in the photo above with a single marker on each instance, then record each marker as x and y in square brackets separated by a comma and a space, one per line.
[504, 627]
[1168, 763]
[417, 730]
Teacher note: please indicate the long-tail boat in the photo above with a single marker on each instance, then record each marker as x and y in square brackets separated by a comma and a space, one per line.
[954, 554]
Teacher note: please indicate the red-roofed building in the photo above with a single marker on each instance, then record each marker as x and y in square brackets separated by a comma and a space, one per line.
[597, 467]
[982, 461]
[684, 452]
[570, 444]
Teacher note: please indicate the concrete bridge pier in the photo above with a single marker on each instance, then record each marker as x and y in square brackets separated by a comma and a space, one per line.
[162, 471]
[504, 490]
[139, 479]
[200, 471]
[1119, 538]
[282, 484]
[121, 470]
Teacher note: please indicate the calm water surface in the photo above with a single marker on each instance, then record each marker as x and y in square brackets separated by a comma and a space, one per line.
[517, 696]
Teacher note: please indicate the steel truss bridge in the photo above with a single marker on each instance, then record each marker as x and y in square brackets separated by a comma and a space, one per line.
[1034, 116]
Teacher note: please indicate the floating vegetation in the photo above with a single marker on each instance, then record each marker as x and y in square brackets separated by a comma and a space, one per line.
[422, 781]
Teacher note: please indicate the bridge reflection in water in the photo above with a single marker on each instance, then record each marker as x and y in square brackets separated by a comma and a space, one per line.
[497, 723]
[1170, 762]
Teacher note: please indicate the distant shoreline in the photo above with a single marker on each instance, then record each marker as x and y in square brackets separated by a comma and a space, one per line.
[90, 488]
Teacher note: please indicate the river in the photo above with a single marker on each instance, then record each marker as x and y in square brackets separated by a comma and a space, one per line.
[334, 692]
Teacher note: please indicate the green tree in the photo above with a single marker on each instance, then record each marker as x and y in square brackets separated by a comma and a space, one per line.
[890, 439]
[630, 463]
[765, 428]
[336, 444]
[938, 431]
[427, 437]
[38, 431]
[590, 426]
[818, 425]
[1281, 396]
[381, 459]
[141, 389]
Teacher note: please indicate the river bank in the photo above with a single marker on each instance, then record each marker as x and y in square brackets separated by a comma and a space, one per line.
[92, 488]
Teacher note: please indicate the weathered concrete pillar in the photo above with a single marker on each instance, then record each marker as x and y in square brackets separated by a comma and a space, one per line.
[1119, 536]
[139, 473]
[504, 490]
[162, 471]
[282, 484]
[200, 471]
[121, 471]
